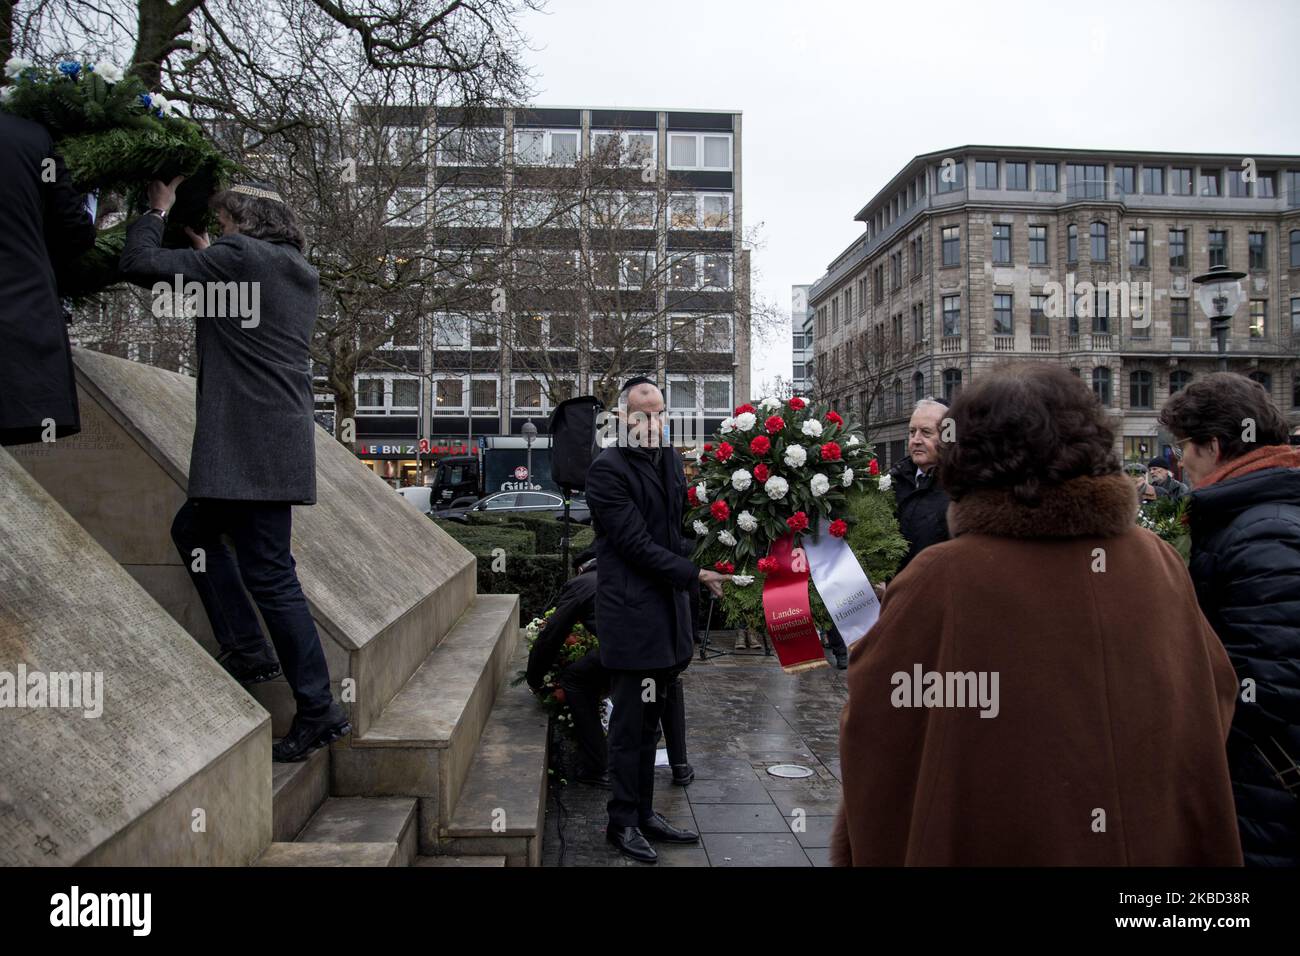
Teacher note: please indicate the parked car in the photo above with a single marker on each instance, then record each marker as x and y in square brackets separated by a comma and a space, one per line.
[509, 502]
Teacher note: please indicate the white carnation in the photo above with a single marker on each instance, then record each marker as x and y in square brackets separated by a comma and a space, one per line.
[746, 521]
[885, 482]
[745, 421]
[776, 487]
[161, 103]
[742, 580]
[728, 426]
[15, 65]
[820, 484]
[727, 538]
[741, 480]
[795, 456]
[853, 440]
[700, 527]
[812, 428]
[771, 403]
[108, 72]
[701, 493]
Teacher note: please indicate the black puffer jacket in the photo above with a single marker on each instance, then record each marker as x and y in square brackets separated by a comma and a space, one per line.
[1245, 564]
[922, 509]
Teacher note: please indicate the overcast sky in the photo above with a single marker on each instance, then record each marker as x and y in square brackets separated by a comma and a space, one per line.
[838, 96]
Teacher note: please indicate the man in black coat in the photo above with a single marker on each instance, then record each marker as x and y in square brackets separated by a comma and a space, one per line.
[636, 490]
[46, 221]
[922, 504]
[1244, 515]
[254, 439]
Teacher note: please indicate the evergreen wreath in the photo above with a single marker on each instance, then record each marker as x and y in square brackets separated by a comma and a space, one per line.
[115, 136]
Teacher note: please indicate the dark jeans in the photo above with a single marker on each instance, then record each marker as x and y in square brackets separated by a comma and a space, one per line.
[834, 639]
[674, 723]
[584, 682]
[260, 531]
[632, 741]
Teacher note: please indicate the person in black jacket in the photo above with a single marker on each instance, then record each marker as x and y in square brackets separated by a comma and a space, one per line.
[584, 681]
[636, 491]
[1244, 515]
[46, 223]
[922, 504]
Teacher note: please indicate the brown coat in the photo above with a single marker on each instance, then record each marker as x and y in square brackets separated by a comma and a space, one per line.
[1114, 698]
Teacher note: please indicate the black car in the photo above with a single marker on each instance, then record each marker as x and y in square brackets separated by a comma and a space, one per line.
[510, 502]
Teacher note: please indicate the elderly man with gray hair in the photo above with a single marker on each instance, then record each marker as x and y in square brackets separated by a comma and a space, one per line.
[636, 490]
[922, 504]
[254, 441]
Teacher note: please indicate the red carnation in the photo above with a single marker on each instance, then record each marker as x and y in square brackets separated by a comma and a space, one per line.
[767, 565]
[724, 567]
[797, 521]
[572, 639]
[838, 528]
[834, 418]
[830, 451]
[774, 424]
[720, 511]
[708, 446]
[745, 408]
[692, 497]
[874, 467]
[724, 452]
[761, 473]
[797, 402]
[761, 445]
[559, 695]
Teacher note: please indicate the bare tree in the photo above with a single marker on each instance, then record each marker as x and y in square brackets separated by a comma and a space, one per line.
[868, 370]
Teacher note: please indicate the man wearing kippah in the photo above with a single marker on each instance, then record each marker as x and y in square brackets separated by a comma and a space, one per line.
[254, 452]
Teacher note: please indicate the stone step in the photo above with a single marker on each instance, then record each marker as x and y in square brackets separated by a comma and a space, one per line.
[297, 791]
[330, 854]
[453, 861]
[502, 807]
[379, 820]
[422, 743]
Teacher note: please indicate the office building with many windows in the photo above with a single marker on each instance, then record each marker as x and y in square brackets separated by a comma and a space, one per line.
[981, 255]
[801, 339]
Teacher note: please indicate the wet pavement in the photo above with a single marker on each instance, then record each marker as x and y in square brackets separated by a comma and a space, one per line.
[743, 714]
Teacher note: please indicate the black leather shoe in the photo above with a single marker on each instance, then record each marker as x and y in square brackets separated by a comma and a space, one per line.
[630, 842]
[683, 774]
[304, 736]
[841, 659]
[657, 828]
[250, 667]
[602, 781]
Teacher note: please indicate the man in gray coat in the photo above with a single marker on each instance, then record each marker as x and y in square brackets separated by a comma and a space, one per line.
[254, 298]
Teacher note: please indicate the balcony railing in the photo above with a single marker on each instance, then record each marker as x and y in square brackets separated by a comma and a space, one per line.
[1101, 341]
[1072, 341]
[1040, 343]
[1004, 343]
[951, 343]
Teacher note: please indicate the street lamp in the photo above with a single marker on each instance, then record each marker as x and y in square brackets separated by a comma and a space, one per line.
[1219, 294]
[529, 431]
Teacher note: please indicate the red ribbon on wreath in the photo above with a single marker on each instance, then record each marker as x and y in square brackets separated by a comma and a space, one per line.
[787, 611]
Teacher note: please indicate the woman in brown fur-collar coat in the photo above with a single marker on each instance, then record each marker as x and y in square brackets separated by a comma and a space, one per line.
[1043, 689]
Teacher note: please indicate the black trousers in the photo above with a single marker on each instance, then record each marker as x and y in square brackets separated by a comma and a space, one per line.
[835, 639]
[674, 723]
[261, 532]
[584, 683]
[640, 699]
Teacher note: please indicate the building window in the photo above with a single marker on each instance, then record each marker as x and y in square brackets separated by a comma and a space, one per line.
[951, 383]
[1017, 175]
[862, 295]
[1139, 390]
[880, 283]
[470, 146]
[1045, 177]
[951, 315]
[1295, 389]
[405, 396]
[896, 270]
[1038, 245]
[370, 395]
[1124, 180]
[986, 173]
[1208, 183]
[545, 147]
[609, 148]
[1265, 186]
[950, 177]
[1101, 385]
[918, 387]
[1002, 243]
[835, 313]
[952, 245]
[1179, 324]
[1238, 187]
[1098, 234]
[1178, 248]
[1137, 248]
[715, 270]
[1256, 243]
[1153, 180]
[1002, 321]
[1072, 243]
[1295, 248]
[699, 151]
[1179, 380]
[1258, 310]
[483, 394]
[1218, 248]
[1264, 379]
[1180, 180]
[449, 396]
[1038, 324]
[528, 395]
[898, 396]
[918, 257]
[848, 304]
[1295, 316]
[918, 323]
[1085, 181]
[1101, 312]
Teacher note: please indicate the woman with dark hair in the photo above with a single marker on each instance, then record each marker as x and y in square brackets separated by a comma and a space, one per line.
[1244, 515]
[1042, 689]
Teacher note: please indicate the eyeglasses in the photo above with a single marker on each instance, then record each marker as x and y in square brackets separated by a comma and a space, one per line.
[1178, 448]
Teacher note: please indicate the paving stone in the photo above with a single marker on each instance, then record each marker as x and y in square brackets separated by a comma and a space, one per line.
[740, 818]
[729, 791]
[817, 832]
[754, 849]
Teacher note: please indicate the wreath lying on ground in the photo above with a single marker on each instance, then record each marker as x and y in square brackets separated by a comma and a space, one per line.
[115, 136]
[575, 647]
